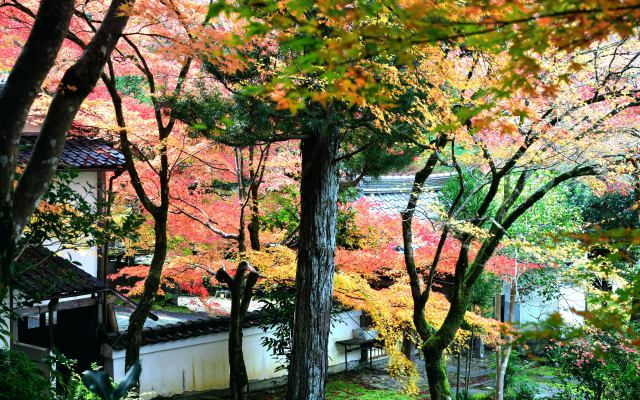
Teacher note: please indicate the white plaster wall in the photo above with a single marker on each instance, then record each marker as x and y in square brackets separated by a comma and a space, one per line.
[201, 363]
[85, 184]
[535, 309]
[570, 300]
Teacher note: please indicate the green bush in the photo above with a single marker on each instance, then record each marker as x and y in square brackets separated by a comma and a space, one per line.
[520, 390]
[604, 365]
[78, 391]
[20, 378]
[567, 393]
[477, 396]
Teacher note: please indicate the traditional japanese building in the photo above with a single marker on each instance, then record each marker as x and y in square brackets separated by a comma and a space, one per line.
[57, 295]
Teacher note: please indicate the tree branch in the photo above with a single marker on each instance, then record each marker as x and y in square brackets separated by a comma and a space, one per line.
[76, 84]
[23, 84]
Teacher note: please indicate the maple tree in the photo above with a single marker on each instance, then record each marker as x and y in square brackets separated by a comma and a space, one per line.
[241, 286]
[338, 55]
[136, 111]
[476, 85]
[525, 145]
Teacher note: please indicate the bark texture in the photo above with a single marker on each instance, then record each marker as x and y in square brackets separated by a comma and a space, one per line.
[437, 376]
[255, 177]
[314, 276]
[241, 286]
[151, 285]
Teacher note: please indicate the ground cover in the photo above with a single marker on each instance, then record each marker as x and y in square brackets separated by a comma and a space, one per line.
[345, 388]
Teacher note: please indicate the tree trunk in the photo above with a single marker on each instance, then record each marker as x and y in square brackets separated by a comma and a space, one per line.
[151, 285]
[22, 86]
[239, 160]
[254, 217]
[242, 237]
[241, 287]
[504, 361]
[436, 367]
[314, 276]
[436, 344]
[17, 202]
[238, 379]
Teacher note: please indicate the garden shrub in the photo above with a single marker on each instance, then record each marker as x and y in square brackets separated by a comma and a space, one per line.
[521, 390]
[605, 365]
[567, 393]
[78, 391]
[20, 378]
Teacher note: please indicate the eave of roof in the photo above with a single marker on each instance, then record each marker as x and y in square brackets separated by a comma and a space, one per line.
[401, 183]
[183, 330]
[80, 151]
[44, 275]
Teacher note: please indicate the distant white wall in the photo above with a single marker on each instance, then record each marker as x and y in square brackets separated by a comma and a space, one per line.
[570, 300]
[534, 308]
[201, 363]
[86, 184]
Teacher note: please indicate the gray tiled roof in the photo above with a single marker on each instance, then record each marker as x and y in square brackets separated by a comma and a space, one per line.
[390, 194]
[80, 152]
[183, 329]
[401, 183]
[44, 275]
[394, 203]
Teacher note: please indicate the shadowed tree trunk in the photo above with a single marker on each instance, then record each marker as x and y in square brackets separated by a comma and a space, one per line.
[254, 220]
[254, 209]
[151, 285]
[314, 276]
[241, 287]
[51, 24]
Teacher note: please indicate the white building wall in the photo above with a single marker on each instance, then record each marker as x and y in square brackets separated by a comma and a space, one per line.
[570, 300]
[535, 309]
[86, 184]
[201, 363]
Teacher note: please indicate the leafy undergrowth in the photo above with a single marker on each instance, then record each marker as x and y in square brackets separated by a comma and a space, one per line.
[345, 390]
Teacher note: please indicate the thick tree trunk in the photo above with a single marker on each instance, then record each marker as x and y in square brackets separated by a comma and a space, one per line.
[22, 86]
[436, 367]
[238, 379]
[314, 276]
[151, 285]
[436, 344]
[17, 202]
